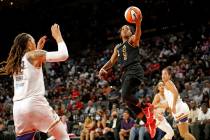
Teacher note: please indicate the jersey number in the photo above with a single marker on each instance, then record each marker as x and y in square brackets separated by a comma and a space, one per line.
[124, 52]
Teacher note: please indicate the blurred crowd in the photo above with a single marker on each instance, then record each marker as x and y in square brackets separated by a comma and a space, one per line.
[92, 108]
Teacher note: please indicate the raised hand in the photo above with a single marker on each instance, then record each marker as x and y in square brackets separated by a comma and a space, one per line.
[56, 33]
[41, 43]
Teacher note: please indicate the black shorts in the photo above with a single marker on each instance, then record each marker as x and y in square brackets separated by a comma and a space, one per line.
[134, 71]
[130, 85]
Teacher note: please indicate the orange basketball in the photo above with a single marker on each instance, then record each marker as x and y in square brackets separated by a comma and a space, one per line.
[132, 14]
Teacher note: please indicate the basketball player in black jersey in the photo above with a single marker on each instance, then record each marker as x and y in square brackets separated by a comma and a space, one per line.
[127, 54]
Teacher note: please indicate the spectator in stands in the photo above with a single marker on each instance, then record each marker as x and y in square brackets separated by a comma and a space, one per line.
[115, 108]
[61, 109]
[99, 125]
[189, 91]
[126, 124]
[89, 125]
[75, 93]
[193, 119]
[204, 121]
[77, 105]
[90, 109]
[206, 99]
[206, 87]
[113, 128]
[2, 126]
[113, 97]
[198, 98]
[139, 131]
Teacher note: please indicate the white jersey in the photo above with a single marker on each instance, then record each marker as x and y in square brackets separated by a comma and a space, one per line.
[29, 83]
[162, 101]
[182, 109]
[169, 97]
[159, 112]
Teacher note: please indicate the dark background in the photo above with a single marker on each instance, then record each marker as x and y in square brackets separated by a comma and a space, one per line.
[94, 23]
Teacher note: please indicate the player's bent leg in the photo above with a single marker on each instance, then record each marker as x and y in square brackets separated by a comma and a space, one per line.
[59, 132]
[165, 126]
[129, 87]
[184, 131]
[28, 136]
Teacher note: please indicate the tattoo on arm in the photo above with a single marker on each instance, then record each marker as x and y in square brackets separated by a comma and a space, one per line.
[38, 55]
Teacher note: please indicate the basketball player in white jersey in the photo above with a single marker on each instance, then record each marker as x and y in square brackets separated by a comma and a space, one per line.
[160, 105]
[31, 110]
[180, 110]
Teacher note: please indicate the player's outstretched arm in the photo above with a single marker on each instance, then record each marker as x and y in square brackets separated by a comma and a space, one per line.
[41, 43]
[37, 57]
[135, 39]
[62, 53]
[109, 64]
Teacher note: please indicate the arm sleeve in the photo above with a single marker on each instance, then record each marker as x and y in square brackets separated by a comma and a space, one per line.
[57, 56]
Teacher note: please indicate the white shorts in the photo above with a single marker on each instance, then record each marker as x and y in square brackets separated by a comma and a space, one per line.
[32, 114]
[182, 111]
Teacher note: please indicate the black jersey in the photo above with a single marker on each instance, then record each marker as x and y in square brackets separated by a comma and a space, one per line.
[129, 58]
[127, 54]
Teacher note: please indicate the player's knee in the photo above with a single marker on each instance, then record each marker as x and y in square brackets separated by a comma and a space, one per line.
[171, 133]
[169, 136]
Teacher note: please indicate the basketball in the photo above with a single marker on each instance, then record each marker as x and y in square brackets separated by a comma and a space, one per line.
[132, 14]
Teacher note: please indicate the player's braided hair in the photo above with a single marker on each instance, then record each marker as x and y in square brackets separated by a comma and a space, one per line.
[18, 49]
